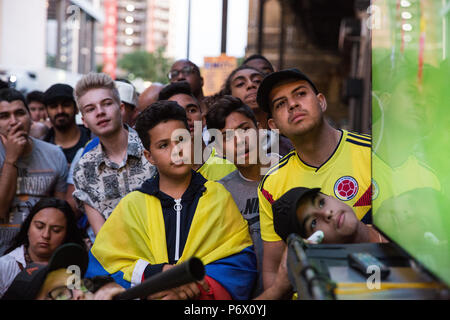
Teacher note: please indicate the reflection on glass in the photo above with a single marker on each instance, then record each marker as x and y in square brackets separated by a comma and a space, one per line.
[411, 130]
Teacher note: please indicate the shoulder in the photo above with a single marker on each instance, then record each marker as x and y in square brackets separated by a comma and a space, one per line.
[46, 146]
[136, 198]
[91, 150]
[133, 136]
[12, 257]
[278, 168]
[216, 188]
[229, 177]
[357, 139]
[48, 150]
[91, 144]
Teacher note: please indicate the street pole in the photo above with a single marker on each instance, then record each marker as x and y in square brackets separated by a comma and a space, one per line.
[224, 26]
[188, 30]
[259, 42]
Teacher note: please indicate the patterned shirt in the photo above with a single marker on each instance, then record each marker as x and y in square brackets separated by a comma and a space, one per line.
[101, 183]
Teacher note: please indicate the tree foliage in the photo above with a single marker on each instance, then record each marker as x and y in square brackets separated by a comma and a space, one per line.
[151, 66]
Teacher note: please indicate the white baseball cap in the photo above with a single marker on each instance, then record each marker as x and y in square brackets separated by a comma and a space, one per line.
[127, 92]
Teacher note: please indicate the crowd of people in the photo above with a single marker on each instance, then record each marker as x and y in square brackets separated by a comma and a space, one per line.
[152, 179]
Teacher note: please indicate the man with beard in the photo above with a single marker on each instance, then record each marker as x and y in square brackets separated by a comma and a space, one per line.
[62, 109]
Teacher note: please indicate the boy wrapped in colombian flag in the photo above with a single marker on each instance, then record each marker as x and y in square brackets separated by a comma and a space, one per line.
[175, 215]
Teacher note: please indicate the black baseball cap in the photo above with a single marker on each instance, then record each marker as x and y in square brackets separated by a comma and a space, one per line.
[275, 78]
[285, 219]
[28, 282]
[59, 91]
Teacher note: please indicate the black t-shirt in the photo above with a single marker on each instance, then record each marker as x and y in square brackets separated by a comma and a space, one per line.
[70, 152]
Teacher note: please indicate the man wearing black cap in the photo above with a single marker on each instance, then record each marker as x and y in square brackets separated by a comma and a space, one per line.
[62, 109]
[335, 160]
[305, 211]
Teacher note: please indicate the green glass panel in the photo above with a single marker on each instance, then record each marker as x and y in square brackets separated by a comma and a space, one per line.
[411, 128]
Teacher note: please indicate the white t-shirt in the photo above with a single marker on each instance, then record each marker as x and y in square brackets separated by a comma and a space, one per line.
[9, 267]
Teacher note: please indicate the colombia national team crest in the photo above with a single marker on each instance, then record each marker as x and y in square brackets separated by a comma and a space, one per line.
[346, 188]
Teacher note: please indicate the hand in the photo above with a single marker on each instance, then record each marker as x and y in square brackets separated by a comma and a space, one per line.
[170, 294]
[108, 291]
[184, 292]
[14, 142]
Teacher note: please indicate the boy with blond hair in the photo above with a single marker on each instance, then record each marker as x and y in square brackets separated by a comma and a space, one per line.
[117, 165]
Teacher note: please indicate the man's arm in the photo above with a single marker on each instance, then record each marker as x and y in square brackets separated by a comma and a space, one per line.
[60, 195]
[273, 246]
[281, 287]
[14, 144]
[62, 171]
[71, 184]
[8, 186]
[272, 254]
[96, 219]
[71, 201]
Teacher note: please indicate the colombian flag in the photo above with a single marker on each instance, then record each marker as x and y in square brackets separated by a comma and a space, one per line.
[134, 237]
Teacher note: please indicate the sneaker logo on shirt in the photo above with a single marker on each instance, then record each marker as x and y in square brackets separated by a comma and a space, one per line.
[346, 188]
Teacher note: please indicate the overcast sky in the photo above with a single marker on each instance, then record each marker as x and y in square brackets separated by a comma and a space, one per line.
[206, 29]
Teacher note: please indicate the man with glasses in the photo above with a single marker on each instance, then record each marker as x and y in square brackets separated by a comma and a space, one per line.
[62, 279]
[185, 70]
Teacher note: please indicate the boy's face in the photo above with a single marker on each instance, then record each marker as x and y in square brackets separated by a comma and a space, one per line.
[168, 155]
[296, 109]
[244, 85]
[193, 111]
[239, 143]
[335, 218]
[100, 112]
[37, 111]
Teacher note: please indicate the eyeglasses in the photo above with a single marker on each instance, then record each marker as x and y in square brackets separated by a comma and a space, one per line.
[187, 70]
[64, 293]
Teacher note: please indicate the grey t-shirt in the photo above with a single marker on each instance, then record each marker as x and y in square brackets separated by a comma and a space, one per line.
[245, 195]
[40, 174]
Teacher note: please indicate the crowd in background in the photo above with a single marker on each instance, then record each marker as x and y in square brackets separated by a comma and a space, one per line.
[116, 187]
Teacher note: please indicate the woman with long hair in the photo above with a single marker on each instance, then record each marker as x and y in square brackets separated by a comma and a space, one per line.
[50, 223]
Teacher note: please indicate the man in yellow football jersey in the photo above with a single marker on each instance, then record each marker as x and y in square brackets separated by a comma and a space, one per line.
[337, 161]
